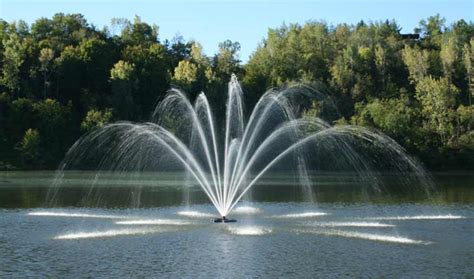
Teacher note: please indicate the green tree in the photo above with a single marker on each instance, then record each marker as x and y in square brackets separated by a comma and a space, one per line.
[123, 85]
[96, 119]
[395, 117]
[70, 79]
[449, 55]
[61, 30]
[342, 71]
[96, 58]
[468, 59]
[152, 75]
[63, 72]
[46, 59]
[197, 54]
[52, 120]
[416, 61]
[20, 117]
[13, 58]
[432, 29]
[30, 147]
[185, 73]
[227, 60]
[139, 33]
[465, 118]
[438, 100]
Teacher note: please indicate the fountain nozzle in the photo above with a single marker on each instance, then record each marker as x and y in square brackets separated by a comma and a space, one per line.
[224, 220]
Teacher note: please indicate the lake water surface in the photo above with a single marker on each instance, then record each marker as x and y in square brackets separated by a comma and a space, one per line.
[343, 232]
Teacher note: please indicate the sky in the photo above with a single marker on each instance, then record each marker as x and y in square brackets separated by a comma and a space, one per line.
[212, 21]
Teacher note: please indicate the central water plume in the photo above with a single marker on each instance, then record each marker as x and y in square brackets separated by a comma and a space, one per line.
[226, 162]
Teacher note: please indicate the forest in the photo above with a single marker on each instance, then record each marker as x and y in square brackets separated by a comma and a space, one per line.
[62, 77]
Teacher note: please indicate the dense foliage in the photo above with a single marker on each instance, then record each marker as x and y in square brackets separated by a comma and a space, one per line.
[62, 77]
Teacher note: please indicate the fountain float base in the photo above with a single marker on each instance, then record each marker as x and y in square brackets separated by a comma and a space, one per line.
[224, 220]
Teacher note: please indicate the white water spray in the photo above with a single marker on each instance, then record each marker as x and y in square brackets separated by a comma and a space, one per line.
[186, 135]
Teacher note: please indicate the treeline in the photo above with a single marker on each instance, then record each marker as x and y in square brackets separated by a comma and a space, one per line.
[62, 77]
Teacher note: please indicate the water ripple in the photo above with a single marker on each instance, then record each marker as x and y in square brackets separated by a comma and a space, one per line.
[371, 236]
[418, 217]
[249, 230]
[246, 210]
[108, 233]
[301, 215]
[354, 224]
[195, 214]
[78, 215]
[154, 222]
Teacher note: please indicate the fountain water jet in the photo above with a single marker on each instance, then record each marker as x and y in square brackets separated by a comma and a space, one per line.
[185, 135]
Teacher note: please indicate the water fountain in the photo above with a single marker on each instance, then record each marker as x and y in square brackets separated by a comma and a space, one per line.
[227, 164]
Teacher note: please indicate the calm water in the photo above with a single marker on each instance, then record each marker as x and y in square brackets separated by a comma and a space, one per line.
[278, 234]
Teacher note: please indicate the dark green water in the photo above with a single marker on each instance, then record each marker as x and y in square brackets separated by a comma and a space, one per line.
[30, 189]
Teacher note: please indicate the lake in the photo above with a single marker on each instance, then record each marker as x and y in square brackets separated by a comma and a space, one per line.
[340, 230]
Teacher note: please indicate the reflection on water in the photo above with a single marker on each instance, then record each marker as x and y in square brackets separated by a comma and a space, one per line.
[196, 214]
[29, 189]
[162, 242]
[369, 236]
[108, 233]
[248, 230]
[354, 224]
[419, 217]
[79, 215]
[302, 215]
[349, 232]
